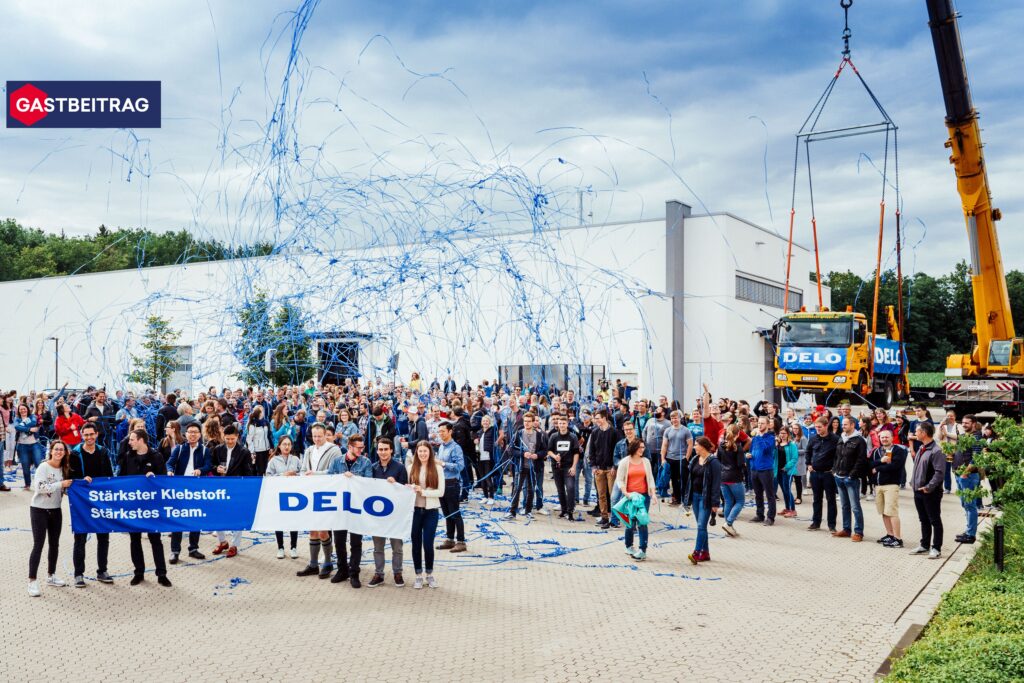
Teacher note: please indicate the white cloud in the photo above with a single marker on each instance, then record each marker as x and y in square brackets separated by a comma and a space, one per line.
[519, 76]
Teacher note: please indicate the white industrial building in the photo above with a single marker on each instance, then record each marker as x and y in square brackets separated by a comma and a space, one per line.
[667, 303]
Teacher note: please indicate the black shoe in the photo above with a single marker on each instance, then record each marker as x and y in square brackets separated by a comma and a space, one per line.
[354, 581]
[104, 577]
[342, 575]
[605, 525]
[562, 515]
[308, 571]
[813, 527]
[770, 521]
[967, 540]
[137, 579]
[196, 555]
[325, 571]
[893, 542]
[163, 581]
[377, 580]
[596, 512]
[756, 520]
[712, 521]
[884, 539]
[174, 558]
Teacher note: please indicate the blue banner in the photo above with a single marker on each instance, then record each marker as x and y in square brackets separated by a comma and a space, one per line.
[887, 356]
[812, 358]
[162, 504]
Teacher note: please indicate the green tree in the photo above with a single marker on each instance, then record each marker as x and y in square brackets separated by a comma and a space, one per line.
[294, 357]
[256, 336]
[155, 365]
[31, 253]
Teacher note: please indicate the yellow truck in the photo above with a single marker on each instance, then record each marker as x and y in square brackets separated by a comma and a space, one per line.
[832, 356]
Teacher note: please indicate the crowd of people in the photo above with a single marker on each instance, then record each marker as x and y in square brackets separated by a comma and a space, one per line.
[497, 442]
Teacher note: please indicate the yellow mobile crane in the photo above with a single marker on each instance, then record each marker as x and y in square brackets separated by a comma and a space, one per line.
[988, 378]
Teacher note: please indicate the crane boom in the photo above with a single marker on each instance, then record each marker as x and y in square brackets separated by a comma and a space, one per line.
[992, 314]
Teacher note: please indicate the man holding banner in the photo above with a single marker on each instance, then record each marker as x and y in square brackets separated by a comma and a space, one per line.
[230, 459]
[394, 473]
[189, 459]
[139, 459]
[354, 464]
[318, 459]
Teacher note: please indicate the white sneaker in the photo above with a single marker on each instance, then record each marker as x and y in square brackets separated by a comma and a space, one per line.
[294, 553]
[280, 553]
[55, 581]
[418, 583]
[431, 581]
[544, 511]
[934, 554]
[33, 589]
[919, 550]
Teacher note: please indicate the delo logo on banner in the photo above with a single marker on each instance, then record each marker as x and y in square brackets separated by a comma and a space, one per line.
[887, 356]
[810, 358]
[83, 104]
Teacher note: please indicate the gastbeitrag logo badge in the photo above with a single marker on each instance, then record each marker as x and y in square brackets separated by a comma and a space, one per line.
[83, 104]
[27, 104]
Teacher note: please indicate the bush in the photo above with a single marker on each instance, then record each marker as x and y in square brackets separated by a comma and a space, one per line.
[977, 633]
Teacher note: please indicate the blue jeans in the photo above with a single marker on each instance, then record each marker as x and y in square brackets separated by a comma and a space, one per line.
[29, 454]
[848, 489]
[703, 514]
[733, 495]
[466, 479]
[588, 480]
[616, 497]
[785, 481]
[642, 528]
[969, 483]
[424, 528]
[538, 482]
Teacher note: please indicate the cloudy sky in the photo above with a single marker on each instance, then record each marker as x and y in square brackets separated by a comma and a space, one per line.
[631, 103]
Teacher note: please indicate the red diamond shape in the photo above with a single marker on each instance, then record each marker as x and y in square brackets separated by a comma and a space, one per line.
[26, 104]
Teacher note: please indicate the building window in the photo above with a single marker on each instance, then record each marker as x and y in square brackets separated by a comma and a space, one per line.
[765, 294]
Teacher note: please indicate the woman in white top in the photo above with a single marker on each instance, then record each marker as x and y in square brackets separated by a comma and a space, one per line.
[284, 464]
[48, 484]
[426, 478]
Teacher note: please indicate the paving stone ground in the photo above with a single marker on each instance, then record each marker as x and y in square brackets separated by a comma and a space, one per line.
[540, 601]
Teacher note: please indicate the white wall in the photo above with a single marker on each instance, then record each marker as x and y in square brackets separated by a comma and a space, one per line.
[588, 295]
[720, 342]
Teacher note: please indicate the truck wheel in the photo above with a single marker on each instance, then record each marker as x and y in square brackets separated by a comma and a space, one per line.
[791, 395]
[888, 395]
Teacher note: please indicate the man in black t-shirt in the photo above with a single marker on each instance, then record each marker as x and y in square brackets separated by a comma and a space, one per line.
[564, 452]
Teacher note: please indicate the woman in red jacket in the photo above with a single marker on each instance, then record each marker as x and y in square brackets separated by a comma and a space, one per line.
[68, 425]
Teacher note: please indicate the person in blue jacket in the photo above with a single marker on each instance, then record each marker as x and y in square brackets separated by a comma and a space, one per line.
[189, 459]
[761, 459]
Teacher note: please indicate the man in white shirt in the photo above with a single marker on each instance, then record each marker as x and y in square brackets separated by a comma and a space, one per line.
[317, 460]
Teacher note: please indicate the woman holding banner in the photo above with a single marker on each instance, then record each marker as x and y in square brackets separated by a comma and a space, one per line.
[426, 478]
[284, 464]
[51, 478]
